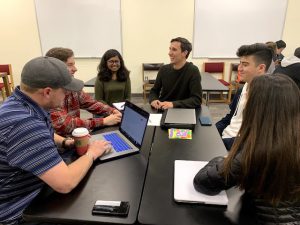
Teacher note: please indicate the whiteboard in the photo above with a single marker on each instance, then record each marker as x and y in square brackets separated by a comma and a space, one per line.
[88, 27]
[222, 26]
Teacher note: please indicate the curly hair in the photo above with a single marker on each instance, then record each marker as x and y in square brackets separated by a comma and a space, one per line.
[105, 74]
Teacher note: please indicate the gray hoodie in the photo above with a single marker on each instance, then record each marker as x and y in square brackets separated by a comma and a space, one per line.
[287, 61]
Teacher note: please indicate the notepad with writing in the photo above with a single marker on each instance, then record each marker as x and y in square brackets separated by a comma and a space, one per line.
[184, 191]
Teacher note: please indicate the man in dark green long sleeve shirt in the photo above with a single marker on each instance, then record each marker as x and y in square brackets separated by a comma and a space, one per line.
[178, 84]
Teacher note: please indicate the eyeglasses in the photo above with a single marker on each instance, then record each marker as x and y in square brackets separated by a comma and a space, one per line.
[114, 62]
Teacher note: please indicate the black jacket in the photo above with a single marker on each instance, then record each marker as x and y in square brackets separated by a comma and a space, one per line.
[225, 121]
[210, 181]
[293, 71]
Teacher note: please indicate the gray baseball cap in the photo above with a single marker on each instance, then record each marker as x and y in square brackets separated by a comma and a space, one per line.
[46, 71]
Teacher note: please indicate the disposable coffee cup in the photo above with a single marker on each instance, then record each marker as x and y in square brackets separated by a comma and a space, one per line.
[81, 137]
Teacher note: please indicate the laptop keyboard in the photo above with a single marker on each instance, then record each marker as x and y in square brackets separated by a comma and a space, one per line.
[117, 142]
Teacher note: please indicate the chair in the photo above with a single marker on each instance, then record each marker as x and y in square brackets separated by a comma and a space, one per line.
[233, 79]
[217, 68]
[149, 76]
[6, 68]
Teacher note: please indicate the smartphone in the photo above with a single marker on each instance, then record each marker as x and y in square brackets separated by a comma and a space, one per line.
[205, 121]
[110, 208]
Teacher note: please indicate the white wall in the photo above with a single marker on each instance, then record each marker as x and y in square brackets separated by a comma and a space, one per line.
[147, 28]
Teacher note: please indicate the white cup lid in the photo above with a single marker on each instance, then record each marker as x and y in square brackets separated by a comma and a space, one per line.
[80, 132]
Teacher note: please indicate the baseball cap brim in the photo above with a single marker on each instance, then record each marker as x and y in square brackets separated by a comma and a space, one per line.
[74, 85]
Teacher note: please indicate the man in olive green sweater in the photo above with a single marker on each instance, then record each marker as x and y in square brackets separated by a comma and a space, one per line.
[178, 84]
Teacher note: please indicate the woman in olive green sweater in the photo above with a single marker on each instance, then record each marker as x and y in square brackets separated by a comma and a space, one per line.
[113, 82]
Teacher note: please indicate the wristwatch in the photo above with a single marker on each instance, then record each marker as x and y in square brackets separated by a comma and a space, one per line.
[63, 144]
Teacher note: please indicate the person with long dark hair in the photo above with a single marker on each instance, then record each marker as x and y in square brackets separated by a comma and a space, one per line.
[113, 82]
[265, 157]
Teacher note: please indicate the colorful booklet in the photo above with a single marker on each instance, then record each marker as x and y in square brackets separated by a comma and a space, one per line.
[180, 133]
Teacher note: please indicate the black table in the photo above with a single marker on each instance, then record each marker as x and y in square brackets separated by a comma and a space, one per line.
[121, 179]
[211, 84]
[145, 180]
[158, 206]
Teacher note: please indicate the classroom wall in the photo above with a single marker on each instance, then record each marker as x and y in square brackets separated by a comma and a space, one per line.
[147, 28]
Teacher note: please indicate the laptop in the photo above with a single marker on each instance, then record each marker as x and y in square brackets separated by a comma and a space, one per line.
[184, 191]
[179, 118]
[129, 138]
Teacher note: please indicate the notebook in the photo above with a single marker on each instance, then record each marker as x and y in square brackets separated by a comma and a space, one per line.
[184, 191]
[129, 138]
[179, 118]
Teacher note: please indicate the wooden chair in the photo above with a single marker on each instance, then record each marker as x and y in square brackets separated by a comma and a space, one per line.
[233, 79]
[149, 76]
[217, 68]
[6, 68]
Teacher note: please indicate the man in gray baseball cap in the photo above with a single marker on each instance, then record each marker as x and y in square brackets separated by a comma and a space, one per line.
[28, 145]
[46, 71]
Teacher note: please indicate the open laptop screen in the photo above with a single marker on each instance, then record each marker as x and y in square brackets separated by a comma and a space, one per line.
[134, 123]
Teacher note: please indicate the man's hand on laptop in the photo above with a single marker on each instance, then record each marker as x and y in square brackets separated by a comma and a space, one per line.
[98, 148]
[117, 112]
[112, 119]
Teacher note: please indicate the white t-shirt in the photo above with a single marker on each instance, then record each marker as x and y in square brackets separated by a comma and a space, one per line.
[236, 121]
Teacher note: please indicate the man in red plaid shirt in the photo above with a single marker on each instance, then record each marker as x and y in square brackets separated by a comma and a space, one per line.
[67, 118]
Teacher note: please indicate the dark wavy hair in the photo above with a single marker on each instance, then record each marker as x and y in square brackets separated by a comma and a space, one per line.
[105, 74]
[261, 52]
[269, 140]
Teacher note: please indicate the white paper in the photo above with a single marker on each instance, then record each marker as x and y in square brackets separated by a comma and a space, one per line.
[154, 119]
[184, 190]
[119, 105]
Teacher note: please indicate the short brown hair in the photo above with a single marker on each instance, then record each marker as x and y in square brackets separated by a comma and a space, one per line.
[60, 53]
[185, 45]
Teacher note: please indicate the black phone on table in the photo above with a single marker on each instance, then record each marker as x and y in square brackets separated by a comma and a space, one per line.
[111, 208]
[205, 121]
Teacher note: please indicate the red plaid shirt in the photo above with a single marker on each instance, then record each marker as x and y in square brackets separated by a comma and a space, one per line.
[67, 118]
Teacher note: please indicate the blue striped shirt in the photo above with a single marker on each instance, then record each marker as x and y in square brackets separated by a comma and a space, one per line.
[27, 150]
